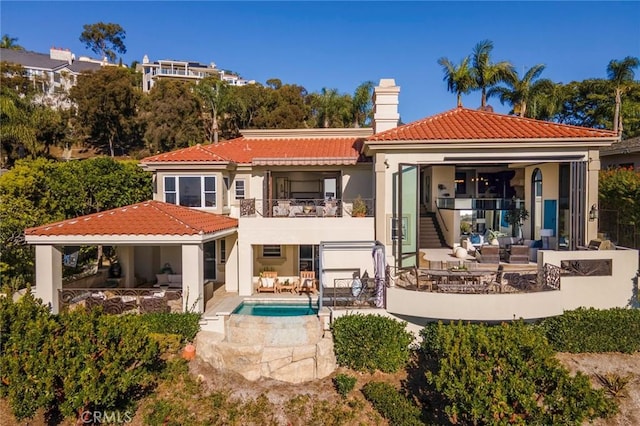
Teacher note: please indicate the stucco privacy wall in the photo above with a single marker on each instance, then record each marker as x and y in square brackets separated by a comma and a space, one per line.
[617, 290]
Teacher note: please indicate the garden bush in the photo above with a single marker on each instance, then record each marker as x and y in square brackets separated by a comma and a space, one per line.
[185, 324]
[72, 362]
[344, 384]
[507, 374]
[371, 342]
[393, 406]
[594, 330]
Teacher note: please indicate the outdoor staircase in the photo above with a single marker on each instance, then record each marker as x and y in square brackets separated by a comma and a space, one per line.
[430, 232]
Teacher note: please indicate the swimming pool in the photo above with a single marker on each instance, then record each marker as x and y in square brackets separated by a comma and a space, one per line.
[275, 309]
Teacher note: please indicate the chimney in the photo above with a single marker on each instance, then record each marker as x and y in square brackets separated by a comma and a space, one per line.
[385, 105]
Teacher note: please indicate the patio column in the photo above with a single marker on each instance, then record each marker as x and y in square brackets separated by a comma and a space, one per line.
[593, 169]
[48, 275]
[245, 268]
[127, 261]
[193, 277]
[231, 266]
[380, 207]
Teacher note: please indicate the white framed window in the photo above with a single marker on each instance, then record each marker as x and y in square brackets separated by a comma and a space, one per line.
[240, 189]
[190, 191]
[271, 251]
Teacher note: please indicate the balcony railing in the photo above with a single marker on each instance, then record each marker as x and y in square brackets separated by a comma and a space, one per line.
[309, 207]
[450, 203]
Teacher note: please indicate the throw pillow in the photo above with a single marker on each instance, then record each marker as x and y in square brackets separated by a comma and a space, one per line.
[475, 239]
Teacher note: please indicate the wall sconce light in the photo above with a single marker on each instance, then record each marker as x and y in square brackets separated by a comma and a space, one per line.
[593, 213]
[386, 163]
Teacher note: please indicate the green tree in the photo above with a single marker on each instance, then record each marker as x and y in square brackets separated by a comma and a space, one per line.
[105, 39]
[362, 104]
[460, 79]
[10, 43]
[519, 92]
[214, 95]
[619, 189]
[330, 108]
[171, 115]
[486, 73]
[107, 103]
[621, 74]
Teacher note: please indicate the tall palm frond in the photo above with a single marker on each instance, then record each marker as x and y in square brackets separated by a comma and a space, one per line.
[459, 79]
[362, 104]
[10, 43]
[621, 73]
[518, 92]
[485, 73]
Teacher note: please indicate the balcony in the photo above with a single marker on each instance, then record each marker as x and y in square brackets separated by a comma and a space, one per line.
[450, 203]
[306, 208]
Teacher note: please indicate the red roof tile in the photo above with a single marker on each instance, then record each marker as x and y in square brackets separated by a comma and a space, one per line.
[308, 150]
[470, 124]
[147, 218]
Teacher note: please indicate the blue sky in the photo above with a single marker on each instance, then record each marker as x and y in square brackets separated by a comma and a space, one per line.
[341, 44]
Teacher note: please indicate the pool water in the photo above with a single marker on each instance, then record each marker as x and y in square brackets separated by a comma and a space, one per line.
[265, 309]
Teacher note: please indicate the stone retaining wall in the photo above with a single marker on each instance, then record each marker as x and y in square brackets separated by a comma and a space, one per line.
[290, 349]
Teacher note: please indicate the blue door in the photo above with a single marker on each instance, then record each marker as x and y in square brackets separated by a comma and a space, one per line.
[550, 215]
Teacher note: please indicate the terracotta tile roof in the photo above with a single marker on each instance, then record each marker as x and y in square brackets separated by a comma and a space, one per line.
[286, 150]
[470, 124]
[147, 218]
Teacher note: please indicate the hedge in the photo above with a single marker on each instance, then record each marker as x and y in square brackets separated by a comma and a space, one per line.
[393, 406]
[507, 374]
[593, 330]
[371, 342]
[184, 324]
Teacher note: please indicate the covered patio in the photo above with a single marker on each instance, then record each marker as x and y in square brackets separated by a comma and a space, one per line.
[149, 239]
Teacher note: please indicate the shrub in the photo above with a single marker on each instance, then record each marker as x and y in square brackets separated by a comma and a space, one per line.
[394, 407]
[507, 374]
[185, 324]
[344, 384]
[594, 330]
[371, 342]
[72, 362]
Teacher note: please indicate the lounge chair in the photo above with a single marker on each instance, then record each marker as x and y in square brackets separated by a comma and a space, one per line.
[268, 282]
[308, 282]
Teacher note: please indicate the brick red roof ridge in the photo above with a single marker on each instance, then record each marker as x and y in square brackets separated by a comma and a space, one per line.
[199, 147]
[193, 222]
[395, 133]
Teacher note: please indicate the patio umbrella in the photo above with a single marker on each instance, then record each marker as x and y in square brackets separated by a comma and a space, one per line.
[379, 268]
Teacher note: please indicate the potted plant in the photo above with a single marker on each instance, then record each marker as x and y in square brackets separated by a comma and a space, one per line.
[492, 236]
[359, 208]
[515, 217]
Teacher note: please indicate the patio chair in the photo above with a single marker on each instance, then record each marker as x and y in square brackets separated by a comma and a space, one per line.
[488, 254]
[308, 282]
[518, 254]
[268, 282]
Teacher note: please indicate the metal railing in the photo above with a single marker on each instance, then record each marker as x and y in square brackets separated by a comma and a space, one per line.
[121, 300]
[346, 293]
[306, 207]
[452, 203]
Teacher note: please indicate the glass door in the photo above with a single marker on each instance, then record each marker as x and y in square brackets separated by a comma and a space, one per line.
[209, 250]
[405, 220]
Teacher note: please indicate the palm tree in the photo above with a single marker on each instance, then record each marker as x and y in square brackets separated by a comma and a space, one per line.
[330, 108]
[519, 92]
[621, 73]
[214, 94]
[459, 79]
[10, 43]
[485, 73]
[362, 104]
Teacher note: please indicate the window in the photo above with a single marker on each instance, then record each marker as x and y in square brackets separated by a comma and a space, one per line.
[223, 251]
[271, 251]
[190, 191]
[239, 189]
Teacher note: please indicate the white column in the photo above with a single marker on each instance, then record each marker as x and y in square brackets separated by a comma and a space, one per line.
[232, 265]
[193, 277]
[48, 275]
[127, 262]
[385, 105]
[591, 198]
[245, 268]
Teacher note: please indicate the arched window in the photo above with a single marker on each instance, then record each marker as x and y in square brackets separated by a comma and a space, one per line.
[536, 203]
